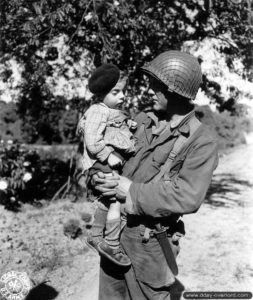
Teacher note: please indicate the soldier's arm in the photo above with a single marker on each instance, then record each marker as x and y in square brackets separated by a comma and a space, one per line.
[182, 195]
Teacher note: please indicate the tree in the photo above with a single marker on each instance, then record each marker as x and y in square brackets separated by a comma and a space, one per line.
[112, 29]
[127, 33]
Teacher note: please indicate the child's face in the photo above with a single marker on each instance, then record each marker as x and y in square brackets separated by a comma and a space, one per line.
[115, 98]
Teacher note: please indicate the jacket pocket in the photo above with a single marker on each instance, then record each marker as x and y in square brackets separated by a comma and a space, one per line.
[175, 169]
[159, 158]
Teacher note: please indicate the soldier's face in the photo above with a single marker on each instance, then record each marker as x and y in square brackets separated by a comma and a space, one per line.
[158, 91]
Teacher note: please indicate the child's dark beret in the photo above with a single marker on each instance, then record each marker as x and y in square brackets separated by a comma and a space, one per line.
[103, 79]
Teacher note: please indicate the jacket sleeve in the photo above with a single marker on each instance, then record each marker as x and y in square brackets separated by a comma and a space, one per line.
[94, 129]
[185, 193]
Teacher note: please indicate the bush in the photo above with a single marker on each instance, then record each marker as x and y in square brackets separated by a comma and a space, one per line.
[17, 167]
[230, 128]
[25, 177]
[62, 152]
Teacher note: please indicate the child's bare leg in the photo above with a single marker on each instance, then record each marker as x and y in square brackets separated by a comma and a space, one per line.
[112, 231]
[107, 216]
[111, 246]
[99, 225]
[114, 211]
[102, 216]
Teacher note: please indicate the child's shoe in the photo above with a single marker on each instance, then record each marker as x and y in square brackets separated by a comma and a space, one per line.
[92, 242]
[116, 255]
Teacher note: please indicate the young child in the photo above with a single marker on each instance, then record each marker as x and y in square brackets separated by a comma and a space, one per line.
[107, 141]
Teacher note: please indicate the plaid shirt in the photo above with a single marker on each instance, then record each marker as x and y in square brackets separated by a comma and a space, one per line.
[103, 130]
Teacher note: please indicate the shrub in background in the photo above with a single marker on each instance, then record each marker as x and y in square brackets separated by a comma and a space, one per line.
[230, 128]
[25, 177]
[17, 168]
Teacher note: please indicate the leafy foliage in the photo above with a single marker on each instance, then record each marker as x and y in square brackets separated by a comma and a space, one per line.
[223, 84]
[229, 128]
[117, 30]
[26, 177]
[9, 122]
[17, 167]
[127, 33]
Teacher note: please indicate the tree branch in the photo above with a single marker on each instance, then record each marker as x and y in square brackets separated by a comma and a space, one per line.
[106, 45]
[80, 23]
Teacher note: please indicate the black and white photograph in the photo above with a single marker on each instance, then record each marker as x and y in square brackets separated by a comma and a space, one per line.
[126, 149]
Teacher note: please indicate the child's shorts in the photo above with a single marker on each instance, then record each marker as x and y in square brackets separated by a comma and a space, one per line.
[104, 167]
[92, 194]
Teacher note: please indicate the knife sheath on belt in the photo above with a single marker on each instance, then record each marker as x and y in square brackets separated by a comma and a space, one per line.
[162, 238]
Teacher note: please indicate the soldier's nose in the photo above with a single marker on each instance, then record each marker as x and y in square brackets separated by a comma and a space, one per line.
[152, 94]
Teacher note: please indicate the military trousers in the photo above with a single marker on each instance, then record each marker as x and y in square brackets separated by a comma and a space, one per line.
[136, 282]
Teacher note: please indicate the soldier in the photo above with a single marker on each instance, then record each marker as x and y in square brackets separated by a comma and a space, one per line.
[167, 177]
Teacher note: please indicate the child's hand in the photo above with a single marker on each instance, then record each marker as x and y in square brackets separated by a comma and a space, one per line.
[114, 161]
[131, 124]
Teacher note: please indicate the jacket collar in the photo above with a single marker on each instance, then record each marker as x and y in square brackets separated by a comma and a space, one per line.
[181, 128]
[182, 125]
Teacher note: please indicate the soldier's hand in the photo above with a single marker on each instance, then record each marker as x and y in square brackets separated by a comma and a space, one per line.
[123, 187]
[105, 184]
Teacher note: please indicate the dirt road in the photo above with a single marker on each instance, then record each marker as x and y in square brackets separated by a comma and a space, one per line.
[217, 251]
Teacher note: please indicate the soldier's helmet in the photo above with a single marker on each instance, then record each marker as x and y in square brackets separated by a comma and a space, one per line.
[179, 71]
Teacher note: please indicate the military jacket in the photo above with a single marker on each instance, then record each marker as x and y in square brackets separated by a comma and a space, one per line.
[180, 191]
[183, 189]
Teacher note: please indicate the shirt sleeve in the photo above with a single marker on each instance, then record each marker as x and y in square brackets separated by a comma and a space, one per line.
[185, 193]
[94, 129]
